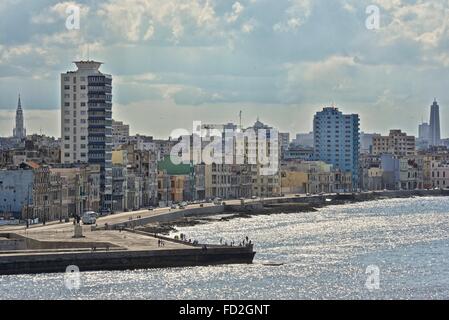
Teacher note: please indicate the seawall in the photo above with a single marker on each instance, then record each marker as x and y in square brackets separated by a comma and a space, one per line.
[123, 260]
[281, 204]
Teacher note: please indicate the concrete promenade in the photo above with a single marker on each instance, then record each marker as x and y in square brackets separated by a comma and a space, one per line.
[141, 217]
[51, 248]
[54, 250]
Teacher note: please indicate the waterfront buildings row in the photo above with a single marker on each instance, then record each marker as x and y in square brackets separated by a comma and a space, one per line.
[31, 191]
[98, 165]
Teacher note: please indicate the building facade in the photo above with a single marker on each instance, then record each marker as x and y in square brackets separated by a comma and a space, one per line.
[120, 133]
[337, 140]
[397, 143]
[86, 121]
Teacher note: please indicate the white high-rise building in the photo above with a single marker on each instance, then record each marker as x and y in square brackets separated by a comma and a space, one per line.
[86, 121]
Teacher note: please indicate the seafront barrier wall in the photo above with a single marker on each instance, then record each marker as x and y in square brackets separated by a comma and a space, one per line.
[171, 216]
[124, 260]
[258, 205]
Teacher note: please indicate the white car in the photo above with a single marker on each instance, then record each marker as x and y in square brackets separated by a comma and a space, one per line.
[89, 217]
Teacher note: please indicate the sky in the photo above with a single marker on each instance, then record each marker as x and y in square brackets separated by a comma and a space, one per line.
[178, 61]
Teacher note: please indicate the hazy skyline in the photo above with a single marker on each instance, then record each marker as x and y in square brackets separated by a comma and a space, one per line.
[177, 61]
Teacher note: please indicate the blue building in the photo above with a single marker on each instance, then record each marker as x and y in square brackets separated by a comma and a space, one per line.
[16, 191]
[337, 140]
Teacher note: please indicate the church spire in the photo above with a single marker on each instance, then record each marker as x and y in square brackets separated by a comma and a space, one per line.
[19, 131]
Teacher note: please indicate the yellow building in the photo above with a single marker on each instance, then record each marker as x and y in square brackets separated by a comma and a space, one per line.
[294, 182]
[118, 157]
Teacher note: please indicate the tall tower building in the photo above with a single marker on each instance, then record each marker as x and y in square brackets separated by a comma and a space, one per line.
[435, 133]
[19, 131]
[86, 121]
[337, 140]
[424, 131]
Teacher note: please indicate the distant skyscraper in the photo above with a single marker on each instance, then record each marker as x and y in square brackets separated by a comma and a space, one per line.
[337, 140]
[304, 139]
[423, 140]
[86, 121]
[366, 142]
[19, 131]
[435, 133]
[424, 131]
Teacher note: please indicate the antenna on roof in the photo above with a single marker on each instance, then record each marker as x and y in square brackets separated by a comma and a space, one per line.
[240, 118]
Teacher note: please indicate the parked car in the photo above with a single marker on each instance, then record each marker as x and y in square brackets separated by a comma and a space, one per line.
[173, 206]
[150, 208]
[96, 214]
[89, 217]
[105, 212]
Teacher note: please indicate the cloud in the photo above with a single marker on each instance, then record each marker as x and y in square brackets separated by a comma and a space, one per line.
[146, 17]
[135, 79]
[295, 16]
[58, 12]
[210, 54]
[237, 9]
[35, 121]
[249, 26]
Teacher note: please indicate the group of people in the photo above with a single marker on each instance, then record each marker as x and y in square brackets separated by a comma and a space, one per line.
[245, 243]
[183, 237]
[160, 243]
